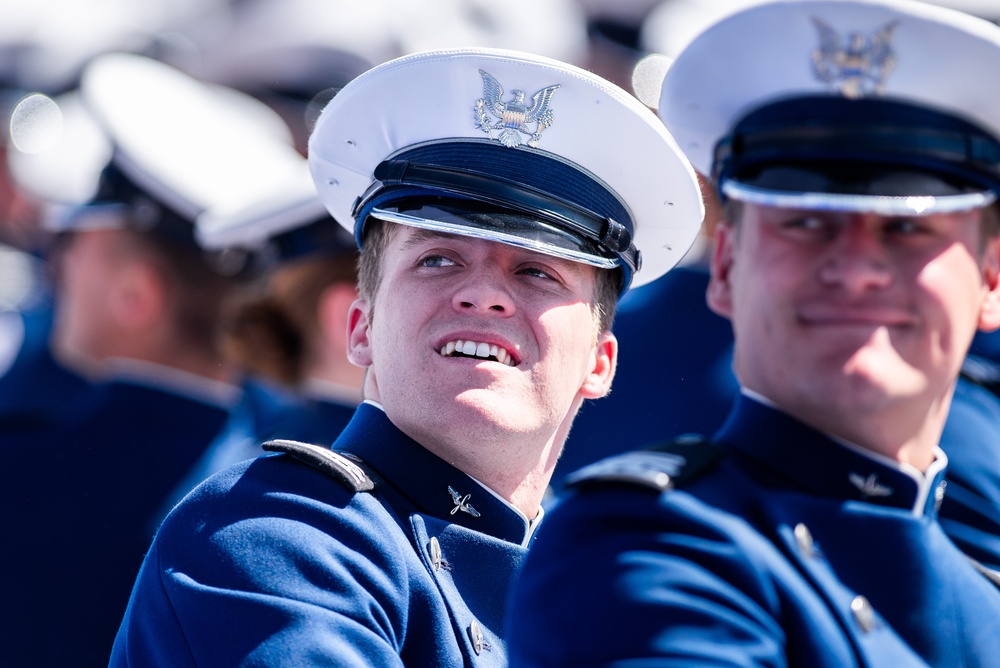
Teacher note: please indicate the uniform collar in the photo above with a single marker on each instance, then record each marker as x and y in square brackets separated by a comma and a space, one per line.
[431, 484]
[827, 466]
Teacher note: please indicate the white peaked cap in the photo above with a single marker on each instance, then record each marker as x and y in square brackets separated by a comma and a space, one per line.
[870, 105]
[587, 154]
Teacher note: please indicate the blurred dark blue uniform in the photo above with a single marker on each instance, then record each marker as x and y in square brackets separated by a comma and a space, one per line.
[970, 513]
[789, 549]
[288, 564]
[79, 502]
[265, 412]
[674, 373]
[35, 389]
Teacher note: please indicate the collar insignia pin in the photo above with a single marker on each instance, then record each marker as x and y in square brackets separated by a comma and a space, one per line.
[461, 503]
[513, 116]
[869, 487]
[858, 65]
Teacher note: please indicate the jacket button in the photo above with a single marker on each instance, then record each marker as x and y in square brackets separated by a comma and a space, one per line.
[805, 540]
[939, 492]
[476, 635]
[435, 554]
[864, 613]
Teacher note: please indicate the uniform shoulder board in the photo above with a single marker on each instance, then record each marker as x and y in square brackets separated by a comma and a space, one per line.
[342, 466]
[660, 467]
[990, 574]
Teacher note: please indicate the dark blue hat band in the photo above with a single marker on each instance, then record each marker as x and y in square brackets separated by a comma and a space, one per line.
[512, 180]
[144, 213]
[128, 206]
[857, 147]
[324, 235]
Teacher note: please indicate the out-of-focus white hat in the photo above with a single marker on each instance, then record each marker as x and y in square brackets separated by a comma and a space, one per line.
[861, 105]
[286, 222]
[510, 147]
[178, 147]
[555, 28]
[672, 24]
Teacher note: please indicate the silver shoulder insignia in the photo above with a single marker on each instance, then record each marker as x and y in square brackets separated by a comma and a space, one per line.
[513, 117]
[870, 486]
[858, 65]
[461, 503]
[647, 469]
[342, 466]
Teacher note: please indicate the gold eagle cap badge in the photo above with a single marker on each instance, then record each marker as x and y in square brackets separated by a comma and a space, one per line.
[513, 118]
[857, 66]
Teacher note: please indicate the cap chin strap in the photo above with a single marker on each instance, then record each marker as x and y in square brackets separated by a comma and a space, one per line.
[610, 235]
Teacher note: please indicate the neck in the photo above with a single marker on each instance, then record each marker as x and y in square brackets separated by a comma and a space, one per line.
[906, 433]
[334, 375]
[516, 469]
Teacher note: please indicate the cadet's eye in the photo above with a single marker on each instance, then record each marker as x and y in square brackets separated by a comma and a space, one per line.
[536, 271]
[436, 261]
[904, 226]
[808, 228]
[809, 223]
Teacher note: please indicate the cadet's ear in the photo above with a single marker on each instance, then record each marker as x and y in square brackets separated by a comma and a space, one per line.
[602, 371]
[138, 297]
[333, 309]
[989, 313]
[719, 294]
[358, 329]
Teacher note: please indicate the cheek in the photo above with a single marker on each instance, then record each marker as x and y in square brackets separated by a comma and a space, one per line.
[954, 291]
[568, 335]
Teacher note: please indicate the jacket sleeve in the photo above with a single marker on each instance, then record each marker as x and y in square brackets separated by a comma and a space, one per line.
[617, 576]
[242, 574]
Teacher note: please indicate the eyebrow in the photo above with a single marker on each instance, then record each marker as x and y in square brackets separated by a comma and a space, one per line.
[421, 235]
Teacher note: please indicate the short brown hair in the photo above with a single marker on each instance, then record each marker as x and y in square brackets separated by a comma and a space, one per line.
[377, 236]
[271, 330]
[196, 291]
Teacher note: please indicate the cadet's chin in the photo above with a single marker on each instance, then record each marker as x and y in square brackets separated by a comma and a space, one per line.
[494, 411]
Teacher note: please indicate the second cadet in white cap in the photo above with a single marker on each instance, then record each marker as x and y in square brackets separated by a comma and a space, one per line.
[858, 158]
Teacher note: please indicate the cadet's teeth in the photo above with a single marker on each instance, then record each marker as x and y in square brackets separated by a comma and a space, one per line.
[477, 349]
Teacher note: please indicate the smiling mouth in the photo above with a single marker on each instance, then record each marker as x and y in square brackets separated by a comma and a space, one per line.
[477, 350]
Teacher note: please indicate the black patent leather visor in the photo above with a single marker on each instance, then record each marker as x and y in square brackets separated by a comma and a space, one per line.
[480, 221]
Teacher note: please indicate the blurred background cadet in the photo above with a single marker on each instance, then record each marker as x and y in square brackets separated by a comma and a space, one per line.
[286, 332]
[295, 55]
[136, 308]
[44, 45]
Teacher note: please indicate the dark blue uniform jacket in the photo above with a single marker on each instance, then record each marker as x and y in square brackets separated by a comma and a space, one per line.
[265, 412]
[78, 505]
[278, 562]
[36, 391]
[970, 513]
[674, 373]
[790, 549]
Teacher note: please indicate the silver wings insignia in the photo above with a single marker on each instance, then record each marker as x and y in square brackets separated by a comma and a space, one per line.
[857, 66]
[513, 117]
[461, 503]
[869, 487]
